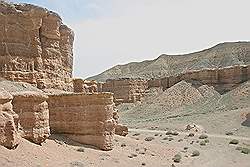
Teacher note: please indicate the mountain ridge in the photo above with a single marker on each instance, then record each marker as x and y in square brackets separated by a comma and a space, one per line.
[221, 55]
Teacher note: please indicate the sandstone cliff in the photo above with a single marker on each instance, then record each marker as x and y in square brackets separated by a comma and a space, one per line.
[35, 46]
[9, 136]
[219, 56]
[85, 118]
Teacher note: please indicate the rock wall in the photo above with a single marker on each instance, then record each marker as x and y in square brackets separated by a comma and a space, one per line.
[35, 46]
[33, 112]
[223, 79]
[85, 118]
[9, 136]
[83, 86]
[126, 90]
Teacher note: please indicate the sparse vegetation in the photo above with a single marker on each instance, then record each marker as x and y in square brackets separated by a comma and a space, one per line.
[149, 138]
[245, 151]
[229, 133]
[203, 136]
[80, 150]
[177, 158]
[234, 141]
[195, 153]
[202, 143]
[123, 145]
[206, 141]
[191, 135]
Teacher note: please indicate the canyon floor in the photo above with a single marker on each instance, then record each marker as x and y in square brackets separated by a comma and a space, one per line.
[133, 150]
[158, 132]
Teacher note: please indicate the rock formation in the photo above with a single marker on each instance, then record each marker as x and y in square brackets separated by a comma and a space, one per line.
[8, 122]
[35, 46]
[86, 118]
[83, 86]
[223, 79]
[126, 90]
[219, 56]
[33, 112]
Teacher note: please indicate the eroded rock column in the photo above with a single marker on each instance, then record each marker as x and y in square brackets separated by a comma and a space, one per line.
[33, 112]
[85, 118]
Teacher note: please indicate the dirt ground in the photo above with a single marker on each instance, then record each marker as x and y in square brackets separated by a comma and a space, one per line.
[131, 151]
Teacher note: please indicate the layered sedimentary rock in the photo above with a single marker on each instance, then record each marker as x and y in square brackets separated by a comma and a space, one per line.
[35, 46]
[126, 90]
[83, 86]
[86, 118]
[33, 112]
[9, 136]
[220, 56]
[223, 79]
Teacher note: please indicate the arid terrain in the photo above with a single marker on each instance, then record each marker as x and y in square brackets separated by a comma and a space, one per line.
[175, 111]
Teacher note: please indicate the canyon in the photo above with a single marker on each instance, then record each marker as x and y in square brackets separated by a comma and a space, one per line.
[141, 113]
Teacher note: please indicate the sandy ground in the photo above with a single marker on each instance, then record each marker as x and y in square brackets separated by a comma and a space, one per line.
[130, 151]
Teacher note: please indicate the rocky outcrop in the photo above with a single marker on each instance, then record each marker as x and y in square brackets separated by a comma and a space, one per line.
[126, 90]
[83, 86]
[33, 112]
[35, 46]
[85, 118]
[121, 130]
[223, 79]
[9, 136]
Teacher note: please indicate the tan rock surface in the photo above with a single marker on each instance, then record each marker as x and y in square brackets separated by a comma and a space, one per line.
[35, 46]
[126, 90]
[86, 118]
[33, 112]
[9, 136]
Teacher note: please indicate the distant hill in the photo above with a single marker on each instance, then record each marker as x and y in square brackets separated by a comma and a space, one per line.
[221, 55]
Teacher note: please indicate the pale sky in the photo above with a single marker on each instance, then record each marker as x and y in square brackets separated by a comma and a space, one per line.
[111, 32]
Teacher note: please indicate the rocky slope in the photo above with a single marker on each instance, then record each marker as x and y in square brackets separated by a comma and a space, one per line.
[221, 55]
[196, 104]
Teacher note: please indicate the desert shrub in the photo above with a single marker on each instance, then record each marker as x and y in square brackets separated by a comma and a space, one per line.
[149, 138]
[80, 150]
[168, 133]
[195, 153]
[177, 158]
[234, 141]
[191, 135]
[245, 151]
[175, 133]
[229, 133]
[203, 136]
[202, 143]
[206, 141]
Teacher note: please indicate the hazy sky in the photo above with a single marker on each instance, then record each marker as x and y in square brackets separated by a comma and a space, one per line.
[111, 32]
